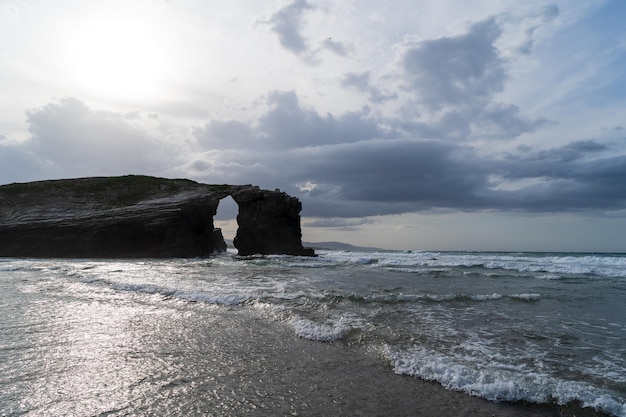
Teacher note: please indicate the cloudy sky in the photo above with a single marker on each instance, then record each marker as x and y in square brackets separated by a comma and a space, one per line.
[404, 124]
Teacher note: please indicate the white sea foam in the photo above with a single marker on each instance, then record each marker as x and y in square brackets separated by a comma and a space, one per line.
[498, 383]
[220, 299]
[9, 268]
[550, 265]
[526, 297]
[401, 297]
[189, 295]
[356, 258]
[417, 262]
[549, 277]
[421, 271]
[486, 297]
[323, 332]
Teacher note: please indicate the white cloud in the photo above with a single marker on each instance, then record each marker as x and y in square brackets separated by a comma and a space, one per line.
[68, 138]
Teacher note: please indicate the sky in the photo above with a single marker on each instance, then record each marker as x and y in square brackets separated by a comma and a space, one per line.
[404, 124]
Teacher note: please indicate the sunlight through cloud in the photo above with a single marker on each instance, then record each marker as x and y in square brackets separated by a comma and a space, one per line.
[117, 58]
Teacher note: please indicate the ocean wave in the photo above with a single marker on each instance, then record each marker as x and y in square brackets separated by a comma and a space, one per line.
[11, 268]
[419, 271]
[441, 298]
[551, 266]
[431, 262]
[188, 295]
[549, 277]
[499, 383]
[526, 297]
[322, 332]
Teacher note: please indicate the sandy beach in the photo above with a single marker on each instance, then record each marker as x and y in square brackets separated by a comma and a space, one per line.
[309, 378]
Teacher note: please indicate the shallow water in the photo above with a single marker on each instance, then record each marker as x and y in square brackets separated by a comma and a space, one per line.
[341, 334]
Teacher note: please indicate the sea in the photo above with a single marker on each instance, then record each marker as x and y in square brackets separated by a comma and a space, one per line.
[369, 333]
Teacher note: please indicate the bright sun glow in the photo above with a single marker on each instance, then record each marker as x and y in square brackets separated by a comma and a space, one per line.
[116, 58]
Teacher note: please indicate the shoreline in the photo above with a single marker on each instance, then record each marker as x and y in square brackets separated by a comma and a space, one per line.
[342, 378]
[370, 387]
[95, 345]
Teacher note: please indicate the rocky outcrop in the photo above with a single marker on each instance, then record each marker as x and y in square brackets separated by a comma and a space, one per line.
[269, 222]
[139, 216]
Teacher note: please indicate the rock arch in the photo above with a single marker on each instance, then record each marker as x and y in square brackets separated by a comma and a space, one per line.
[140, 216]
[268, 222]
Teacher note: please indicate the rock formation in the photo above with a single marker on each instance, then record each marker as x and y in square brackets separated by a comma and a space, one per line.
[138, 216]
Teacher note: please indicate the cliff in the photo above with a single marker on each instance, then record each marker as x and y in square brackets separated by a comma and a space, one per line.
[139, 216]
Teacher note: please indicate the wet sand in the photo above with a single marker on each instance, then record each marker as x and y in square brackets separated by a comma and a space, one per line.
[340, 380]
[265, 369]
[140, 355]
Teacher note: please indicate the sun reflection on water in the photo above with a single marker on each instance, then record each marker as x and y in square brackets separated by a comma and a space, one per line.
[91, 355]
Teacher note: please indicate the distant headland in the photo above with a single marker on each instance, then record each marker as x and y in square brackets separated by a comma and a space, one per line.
[137, 216]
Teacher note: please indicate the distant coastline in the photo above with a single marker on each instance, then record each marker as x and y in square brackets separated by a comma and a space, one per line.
[338, 246]
[342, 246]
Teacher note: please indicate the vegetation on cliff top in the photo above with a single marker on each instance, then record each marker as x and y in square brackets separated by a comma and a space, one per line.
[114, 191]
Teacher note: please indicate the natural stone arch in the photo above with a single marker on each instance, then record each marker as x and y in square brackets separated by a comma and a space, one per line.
[139, 216]
[268, 222]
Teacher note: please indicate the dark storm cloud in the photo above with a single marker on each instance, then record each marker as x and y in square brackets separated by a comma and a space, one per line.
[573, 150]
[289, 125]
[422, 175]
[494, 121]
[462, 70]
[504, 121]
[367, 177]
[572, 186]
[288, 23]
[346, 167]
[395, 170]
[560, 163]
[285, 23]
[570, 177]
[455, 80]
[340, 166]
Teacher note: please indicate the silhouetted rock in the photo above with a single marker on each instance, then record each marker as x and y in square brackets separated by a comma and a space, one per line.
[269, 222]
[140, 216]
